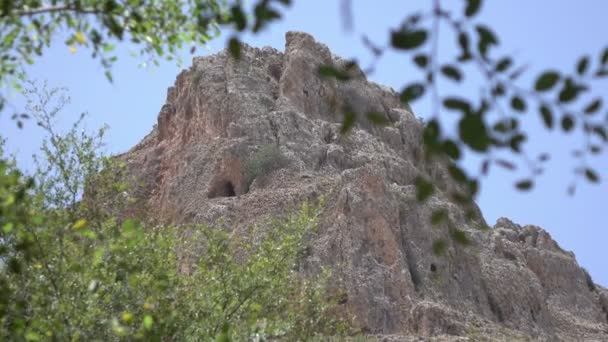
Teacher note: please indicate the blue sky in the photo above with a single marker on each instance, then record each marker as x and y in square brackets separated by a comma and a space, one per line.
[541, 33]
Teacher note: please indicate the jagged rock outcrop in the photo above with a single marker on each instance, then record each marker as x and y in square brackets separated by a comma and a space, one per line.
[511, 282]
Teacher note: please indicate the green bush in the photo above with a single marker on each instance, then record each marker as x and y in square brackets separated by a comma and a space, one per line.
[68, 273]
[265, 160]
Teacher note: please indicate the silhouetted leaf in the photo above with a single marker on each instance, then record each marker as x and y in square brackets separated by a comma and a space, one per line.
[454, 103]
[235, 47]
[412, 92]
[518, 104]
[591, 176]
[504, 64]
[570, 91]
[567, 122]
[421, 60]
[524, 185]
[516, 141]
[451, 149]
[472, 8]
[407, 40]
[463, 42]
[506, 164]
[457, 173]
[546, 115]
[472, 131]
[238, 17]
[424, 189]
[546, 81]
[604, 57]
[582, 65]
[431, 134]
[451, 72]
[487, 38]
[594, 106]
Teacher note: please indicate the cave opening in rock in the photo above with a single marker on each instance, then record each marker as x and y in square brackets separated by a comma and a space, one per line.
[224, 189]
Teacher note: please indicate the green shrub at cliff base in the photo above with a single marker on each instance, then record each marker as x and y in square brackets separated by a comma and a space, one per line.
[71, 271]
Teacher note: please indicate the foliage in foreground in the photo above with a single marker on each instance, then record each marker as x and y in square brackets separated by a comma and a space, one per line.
[72, 271]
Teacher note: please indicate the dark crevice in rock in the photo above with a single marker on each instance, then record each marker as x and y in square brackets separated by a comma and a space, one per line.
[414, 274]
[495, 308]
[223, 189]
[433, 268]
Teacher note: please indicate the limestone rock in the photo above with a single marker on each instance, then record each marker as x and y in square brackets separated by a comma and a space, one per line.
[511, 282]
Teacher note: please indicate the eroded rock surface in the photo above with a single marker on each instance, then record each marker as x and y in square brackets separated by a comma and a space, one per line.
[511, 282]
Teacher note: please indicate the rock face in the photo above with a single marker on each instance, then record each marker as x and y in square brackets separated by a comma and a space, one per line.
[510, 282]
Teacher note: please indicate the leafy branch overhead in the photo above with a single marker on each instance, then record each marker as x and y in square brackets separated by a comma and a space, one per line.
[491, 124]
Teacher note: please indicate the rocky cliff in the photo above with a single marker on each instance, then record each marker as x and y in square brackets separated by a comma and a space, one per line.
[510, 282]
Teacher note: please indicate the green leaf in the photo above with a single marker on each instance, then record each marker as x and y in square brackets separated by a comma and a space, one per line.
[594, 106]
[487, 38]
[421, 60]
[567, 122]
[451, 72]
[234, 46]
[109, 76]
[458, 104]
[591, 175]
[412, 92]
[350, 118]
[451, 149]
[238, 17]
[473, 132]
[504, 64]
[148, 322]
[463, 42]
[582, 65]
[377, 118]
[431, 134]
[472, 7]
[518, 104]
[546, 115]
[457, 173]
[439, 247]
[570, 91]
[604, 58]
[424, 189]
[407, 40]
[546, 81]
[524, 185]
[516, 141]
